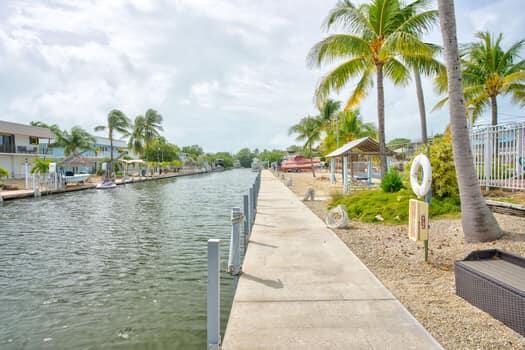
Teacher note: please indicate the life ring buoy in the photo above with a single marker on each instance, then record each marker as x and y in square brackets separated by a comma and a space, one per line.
[421, 189]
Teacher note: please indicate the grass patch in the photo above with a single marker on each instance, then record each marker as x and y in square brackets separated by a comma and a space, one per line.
[393, 207]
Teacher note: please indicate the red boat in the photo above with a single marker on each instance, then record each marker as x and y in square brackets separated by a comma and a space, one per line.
[298, 163]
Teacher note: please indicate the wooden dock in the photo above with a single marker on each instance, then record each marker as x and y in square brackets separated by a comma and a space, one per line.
[302, 288]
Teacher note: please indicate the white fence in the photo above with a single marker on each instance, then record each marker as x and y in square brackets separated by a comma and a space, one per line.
[499, 155]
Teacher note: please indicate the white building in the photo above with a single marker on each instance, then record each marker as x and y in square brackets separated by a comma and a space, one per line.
[21, 143]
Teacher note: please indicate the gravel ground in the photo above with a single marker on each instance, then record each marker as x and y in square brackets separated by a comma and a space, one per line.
[428, 289]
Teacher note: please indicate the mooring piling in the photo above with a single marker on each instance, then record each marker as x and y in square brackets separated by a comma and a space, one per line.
[214, 296]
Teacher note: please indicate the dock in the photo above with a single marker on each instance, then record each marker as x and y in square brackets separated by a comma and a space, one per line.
[303, 288]
[19, 194]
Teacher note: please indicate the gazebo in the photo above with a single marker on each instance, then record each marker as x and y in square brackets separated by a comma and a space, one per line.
[365, 146]
[76, 160]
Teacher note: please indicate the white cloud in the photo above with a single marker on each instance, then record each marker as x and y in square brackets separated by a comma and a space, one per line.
[225, 74]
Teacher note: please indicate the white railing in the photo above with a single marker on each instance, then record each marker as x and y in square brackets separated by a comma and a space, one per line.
[499, 155]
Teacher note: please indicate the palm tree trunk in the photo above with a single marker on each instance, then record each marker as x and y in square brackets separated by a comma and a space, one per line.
[381, 118]
[494, 110]
[111, 155]
[421, 104]
[312, 161]
[479, 225]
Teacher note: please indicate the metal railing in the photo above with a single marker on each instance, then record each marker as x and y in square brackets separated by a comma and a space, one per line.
[499, 155]
[23, 148]
[246, 218]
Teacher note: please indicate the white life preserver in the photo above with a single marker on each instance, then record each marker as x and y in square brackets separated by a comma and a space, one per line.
[421, 189]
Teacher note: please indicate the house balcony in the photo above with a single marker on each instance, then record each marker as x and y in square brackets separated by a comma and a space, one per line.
[23, 149]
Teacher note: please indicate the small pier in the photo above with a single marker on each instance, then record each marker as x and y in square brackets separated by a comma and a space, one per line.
[302, 288]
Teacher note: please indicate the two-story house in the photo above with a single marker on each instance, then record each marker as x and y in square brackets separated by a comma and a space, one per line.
[20, 143]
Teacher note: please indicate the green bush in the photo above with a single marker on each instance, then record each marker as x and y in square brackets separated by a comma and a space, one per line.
[392, 181]
[392, 207]
[444, 181]
[3, 172]
[41, 166]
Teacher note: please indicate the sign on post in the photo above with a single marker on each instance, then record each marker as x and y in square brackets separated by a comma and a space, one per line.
[418, 220]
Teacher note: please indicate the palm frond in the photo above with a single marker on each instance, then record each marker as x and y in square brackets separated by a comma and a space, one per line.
[337, 47]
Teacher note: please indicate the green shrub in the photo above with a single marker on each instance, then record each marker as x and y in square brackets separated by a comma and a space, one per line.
[41, 166]
[3, 172]
[392, 181]
[444, 181]
[392, 207]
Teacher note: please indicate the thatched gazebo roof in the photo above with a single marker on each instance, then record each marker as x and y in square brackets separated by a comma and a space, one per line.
[76, 160]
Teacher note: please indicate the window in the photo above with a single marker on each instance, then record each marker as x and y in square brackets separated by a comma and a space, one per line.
[33, 140]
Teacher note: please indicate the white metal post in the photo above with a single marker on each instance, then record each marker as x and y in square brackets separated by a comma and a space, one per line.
[254, 202]
[234, 258]
[369, 170]
[214, 296]
[250, 209]
[26, 174]
[345, 174]
[332, 171]
[246, 210]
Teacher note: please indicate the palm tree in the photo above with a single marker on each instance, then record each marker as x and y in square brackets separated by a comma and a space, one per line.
[152, 126]
[488, 72]
[382, 34]
[349, 127]
[476, 218]
[328, 115]
[136, 137]
[75, 141]
[309, 131]
[116, 122]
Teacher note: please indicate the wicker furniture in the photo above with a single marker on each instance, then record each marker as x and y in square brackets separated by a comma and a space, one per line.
[494, 281]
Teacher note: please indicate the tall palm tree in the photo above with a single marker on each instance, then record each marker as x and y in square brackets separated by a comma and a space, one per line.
[136, 137]
[488, 72]
[328, 115]
[382, 34]
[476, 218]
[350, 127]
[308, 130]
[75, 141]
[152, 126]
[116, 122]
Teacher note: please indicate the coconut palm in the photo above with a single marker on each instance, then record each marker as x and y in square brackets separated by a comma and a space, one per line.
[136, 137]
[308, 130]
[329, 117]
[116, 122]
[477, 220]
[75, 141]
[382, 34]
[152, 126]
[488, 72]
[349, 127]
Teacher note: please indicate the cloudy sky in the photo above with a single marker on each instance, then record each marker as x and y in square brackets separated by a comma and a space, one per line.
[225, 74]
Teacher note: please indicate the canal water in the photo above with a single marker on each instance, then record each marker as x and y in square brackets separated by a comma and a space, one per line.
[115, 269]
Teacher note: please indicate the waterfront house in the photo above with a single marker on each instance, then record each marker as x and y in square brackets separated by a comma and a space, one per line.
[20, 143]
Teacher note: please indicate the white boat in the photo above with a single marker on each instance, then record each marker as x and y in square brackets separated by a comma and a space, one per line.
[77, 178]
[106, 185]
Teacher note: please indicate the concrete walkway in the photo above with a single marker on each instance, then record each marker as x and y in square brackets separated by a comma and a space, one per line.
[302, 288]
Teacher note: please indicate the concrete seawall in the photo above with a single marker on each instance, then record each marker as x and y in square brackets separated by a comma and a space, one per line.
[302, 288]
